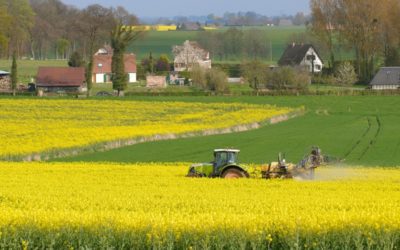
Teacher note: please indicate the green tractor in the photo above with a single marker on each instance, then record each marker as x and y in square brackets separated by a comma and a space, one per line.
[225, 165]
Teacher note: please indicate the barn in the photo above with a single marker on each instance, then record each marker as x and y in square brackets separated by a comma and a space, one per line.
[388, 78]
[61, 79]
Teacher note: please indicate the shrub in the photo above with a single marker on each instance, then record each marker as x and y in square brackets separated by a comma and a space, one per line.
[198, 75]
[216, 80]
[290, 78]
[324, 79]
[209, 79]
[345, 74]
[163, 64]
[256, 74]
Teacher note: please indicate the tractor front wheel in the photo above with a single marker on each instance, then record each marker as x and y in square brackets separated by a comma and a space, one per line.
[233, 173]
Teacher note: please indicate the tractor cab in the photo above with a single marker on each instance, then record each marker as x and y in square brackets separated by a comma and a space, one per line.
[225, 157]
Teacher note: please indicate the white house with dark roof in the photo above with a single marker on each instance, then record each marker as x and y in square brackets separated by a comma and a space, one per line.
[302, 55]
[189, 55]
[386, 78]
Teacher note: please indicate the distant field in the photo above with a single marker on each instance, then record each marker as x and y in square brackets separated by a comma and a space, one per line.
[162, 42]
[361, 130]
[27, 69]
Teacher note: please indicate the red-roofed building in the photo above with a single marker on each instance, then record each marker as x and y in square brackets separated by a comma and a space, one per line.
[54, 79]
[102, 66]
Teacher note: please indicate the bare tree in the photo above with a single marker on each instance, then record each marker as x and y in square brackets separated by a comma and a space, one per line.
[96, 21]
[324, 24]
[5, 21]
[359, 27]
[369, 27]
[21, 21]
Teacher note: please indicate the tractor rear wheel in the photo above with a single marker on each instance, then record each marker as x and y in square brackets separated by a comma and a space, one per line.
[233, 173]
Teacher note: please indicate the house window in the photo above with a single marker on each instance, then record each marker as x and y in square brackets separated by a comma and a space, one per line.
[318, 67]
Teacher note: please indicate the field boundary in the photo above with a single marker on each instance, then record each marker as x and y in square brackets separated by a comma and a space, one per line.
[110, 145]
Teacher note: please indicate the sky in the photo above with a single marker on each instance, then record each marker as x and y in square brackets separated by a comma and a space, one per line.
[170, 8]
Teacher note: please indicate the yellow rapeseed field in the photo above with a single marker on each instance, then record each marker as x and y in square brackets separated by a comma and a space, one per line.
[31, 126]
[153, 206]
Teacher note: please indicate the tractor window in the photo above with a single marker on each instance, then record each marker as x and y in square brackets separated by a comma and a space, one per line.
[221, 158]
[231, 158]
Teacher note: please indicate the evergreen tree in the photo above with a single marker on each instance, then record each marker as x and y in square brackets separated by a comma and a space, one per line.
[14, 72]
[76, 60]
[121, 37]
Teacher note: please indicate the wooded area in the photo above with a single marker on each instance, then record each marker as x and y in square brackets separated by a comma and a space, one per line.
[368, 27]
[36, 29]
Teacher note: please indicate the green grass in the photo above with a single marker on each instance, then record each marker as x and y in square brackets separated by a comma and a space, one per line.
[326, 87]
[363, 130]
[162, 42]
[27, 69]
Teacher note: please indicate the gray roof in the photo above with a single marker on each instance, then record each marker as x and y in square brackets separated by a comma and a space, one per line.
[387, 76]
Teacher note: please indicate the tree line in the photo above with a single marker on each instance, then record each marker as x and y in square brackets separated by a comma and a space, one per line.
[369, 28]
[249, 18]
[236, 44]
[42, 27]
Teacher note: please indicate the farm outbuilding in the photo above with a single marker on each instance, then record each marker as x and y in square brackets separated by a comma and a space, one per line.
[302, 55]
[156, 81]
[388, 78]
[61, 79]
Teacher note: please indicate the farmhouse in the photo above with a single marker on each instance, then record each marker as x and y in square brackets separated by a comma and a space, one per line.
[302, 55]
[189, 55]
[102, 61]
[386, 78]
[65, 79]
[5, 81]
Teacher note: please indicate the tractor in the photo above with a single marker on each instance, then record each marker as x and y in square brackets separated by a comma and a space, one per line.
[226, 165]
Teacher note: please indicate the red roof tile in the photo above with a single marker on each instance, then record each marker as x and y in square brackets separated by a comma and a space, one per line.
[102, 63]
[60, 77]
